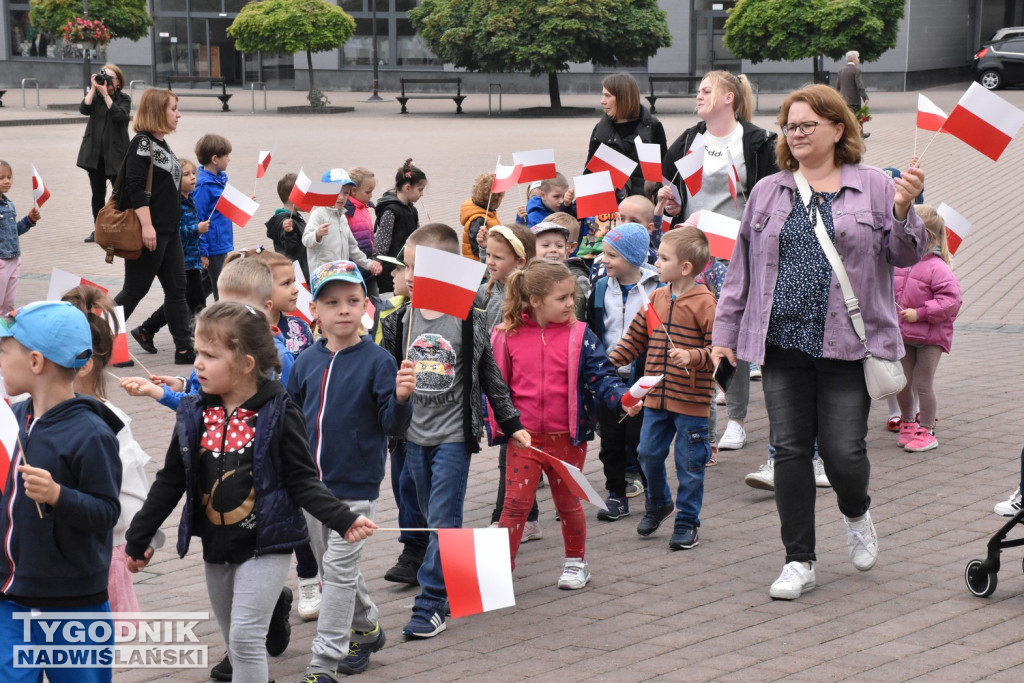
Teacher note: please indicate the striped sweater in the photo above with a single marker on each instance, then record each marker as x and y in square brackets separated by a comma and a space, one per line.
[688, 319]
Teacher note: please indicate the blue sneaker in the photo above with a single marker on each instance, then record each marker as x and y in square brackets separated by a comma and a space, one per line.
[683, 538]
[424, 624]
[617, 509]
[359, 653]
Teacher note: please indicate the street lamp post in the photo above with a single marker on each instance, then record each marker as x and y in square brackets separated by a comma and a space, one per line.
[376, 78]
[86, 65]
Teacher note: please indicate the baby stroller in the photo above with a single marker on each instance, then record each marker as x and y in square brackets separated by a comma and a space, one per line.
[981, 574]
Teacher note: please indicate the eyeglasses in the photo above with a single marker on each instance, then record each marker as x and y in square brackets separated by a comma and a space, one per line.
[805, 128]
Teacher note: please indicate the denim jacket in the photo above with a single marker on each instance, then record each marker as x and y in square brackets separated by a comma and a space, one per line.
[868, 238]
[10, 228]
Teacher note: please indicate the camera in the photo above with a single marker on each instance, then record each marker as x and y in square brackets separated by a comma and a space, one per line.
[103, 79]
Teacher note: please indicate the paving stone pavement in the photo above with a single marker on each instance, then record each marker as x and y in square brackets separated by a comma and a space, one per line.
[649, 613]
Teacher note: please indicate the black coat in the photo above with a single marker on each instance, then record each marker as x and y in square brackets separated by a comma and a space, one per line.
[106, 134]
[650, 130]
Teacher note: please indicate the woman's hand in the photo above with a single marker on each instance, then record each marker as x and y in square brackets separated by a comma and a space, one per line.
[721, 354]
[908, 188]
[149, 237]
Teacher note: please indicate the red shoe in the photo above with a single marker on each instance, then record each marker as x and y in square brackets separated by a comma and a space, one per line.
[893, 425]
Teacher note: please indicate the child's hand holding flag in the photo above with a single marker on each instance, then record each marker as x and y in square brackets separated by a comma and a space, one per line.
[405, 381]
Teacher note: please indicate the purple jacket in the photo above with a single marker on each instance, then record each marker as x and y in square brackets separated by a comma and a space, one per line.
[930, 288]
[868, 237]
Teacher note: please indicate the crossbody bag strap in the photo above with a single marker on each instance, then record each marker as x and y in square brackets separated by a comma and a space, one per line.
[149, 176]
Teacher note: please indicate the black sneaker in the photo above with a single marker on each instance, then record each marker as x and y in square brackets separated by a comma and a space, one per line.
[405, 570]
[683, 538]
[186, 357]
[222, 672]
[280, 632]
[653, 518]
[617, 509]
[358, 658]
[145, 339]
[89, 240]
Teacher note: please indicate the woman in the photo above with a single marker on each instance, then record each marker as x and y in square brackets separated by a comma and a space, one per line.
[781, 307]
[106, 134]
[624, 119]
[162, 255]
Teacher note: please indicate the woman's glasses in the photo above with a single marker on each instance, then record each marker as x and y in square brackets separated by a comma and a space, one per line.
[805, 128]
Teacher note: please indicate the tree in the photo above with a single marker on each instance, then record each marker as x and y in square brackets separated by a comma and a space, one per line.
[290, 26]
[788, 30]
[125, 18]
[540, 36]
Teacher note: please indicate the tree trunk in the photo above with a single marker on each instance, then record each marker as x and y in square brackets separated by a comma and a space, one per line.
[556, 98]
[309, 63]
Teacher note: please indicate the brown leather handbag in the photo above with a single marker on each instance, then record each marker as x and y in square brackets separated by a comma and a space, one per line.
[119, 233]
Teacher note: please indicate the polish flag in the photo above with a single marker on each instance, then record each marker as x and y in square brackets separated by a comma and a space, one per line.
[985, 121]
[929, 117]
[595, 194]
[957, 226]
[650, 315]
[235, 205]
[120, 331]
[446, 282]
[642, 387]
[505, 177]
[299, 277]
[308, 193]
[264, 161]
[477, 568]
[734, 176]
[691, 166]
[575, 481]
[61, 281]
[618, 165]
[676, 197]
[538, 164]
[304, 299]
[721, 232]
[8, 442]
[39, 192]
[650, 159]
[666, 223]
[369, 316]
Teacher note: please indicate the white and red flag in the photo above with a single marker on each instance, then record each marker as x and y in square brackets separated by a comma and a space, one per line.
[61, 281]
[264, 160]
[477, 568]
[666, 222]
[505, 177]
[929, 116]
[984, 120]
[538, 164]
[39, 192]
[691, 166]
[641, 388]
[734, 176]
[617, 164]
[308, 193]
[957, 226]
[235, 205]
[595, 194]
[304, 299]
[8, 442]
[721, 232]
[650, 315]
[445, 282]
[120, 353]
[575, 481]
[650, 159]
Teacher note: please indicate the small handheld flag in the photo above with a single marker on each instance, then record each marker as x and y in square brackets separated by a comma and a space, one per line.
[957, 226]
[61, 281]
[595, 194]
[985, 121]
[505, 177]
[236, 206]
[308, 193]
[39, 192]
[538, 164]
[721, 232]
[264, 161]
[650, 159]
[929, 116]
[691, 166]
[650, 315]
[574, 480]
[446, 282]
[617, 164]
[477, 568]
[641, 388]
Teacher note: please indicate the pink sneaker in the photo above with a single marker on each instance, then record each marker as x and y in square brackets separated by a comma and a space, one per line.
[908, 430]
[924, 440]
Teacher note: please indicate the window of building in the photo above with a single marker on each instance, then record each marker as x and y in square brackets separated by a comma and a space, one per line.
[412, 51]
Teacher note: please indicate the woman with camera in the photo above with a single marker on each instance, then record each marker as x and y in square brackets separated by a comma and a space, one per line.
[106, 135]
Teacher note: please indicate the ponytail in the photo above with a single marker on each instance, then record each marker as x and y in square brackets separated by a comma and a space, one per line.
[515, 302]
[99, 311]
[739, 86]
[409, 174]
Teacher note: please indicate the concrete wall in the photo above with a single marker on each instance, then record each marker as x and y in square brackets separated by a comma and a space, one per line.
[674, 59]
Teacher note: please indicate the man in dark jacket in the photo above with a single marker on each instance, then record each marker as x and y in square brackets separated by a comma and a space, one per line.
[850, 85]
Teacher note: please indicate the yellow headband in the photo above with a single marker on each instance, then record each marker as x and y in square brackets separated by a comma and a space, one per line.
[517, 244]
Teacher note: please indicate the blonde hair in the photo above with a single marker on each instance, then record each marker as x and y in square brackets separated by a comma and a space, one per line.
[271, 257]
[151, 116]
[537, 279]
[360, 174]
[690, 245]
[249, 279]
[567, 221]
[936, 227]
[828, 104]
[739, 86]
[626, 92]
[525, 236]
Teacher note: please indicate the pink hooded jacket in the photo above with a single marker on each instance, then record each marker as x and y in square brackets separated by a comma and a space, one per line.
[930, 288]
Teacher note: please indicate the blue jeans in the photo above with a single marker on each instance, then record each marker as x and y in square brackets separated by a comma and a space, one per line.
[12, 634]
[440, 474]
[693, 450]
[409, 515]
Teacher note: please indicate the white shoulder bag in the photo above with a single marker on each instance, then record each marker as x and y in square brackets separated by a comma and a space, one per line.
[883, 377]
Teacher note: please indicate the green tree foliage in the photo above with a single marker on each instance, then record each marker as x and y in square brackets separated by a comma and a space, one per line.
[290, 26]
[540, 36]
[125, 18]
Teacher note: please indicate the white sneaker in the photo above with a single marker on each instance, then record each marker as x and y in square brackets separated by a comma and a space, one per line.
[764, 478]
[575, 575]
[720, 398]
[532, 532]
[1011, 506]
[755, 372]
[794, 581]
[862, 542]
[734, 438]
[309, 598]
[820, 478]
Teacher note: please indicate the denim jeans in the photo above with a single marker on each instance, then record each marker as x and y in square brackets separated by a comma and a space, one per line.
[692, 452]
[440, 474]
[808, 398]
[409, 515]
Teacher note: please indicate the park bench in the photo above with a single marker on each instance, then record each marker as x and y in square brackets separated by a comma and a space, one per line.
[457, 97]
[212, 80]
[655, 96]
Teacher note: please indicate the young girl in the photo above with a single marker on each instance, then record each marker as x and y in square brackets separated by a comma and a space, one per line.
[247, 537]
[360, 220]
[928, 299]
[296, 332]
[10, 229]
[555, 367]
[479, 212]
[397, 218]
[328, 237]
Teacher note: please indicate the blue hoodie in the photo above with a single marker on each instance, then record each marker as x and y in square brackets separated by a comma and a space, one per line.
[361, 411]
[63, 559]
[220, 239]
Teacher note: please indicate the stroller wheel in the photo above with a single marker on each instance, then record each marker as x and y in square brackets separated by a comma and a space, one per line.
[979, 581]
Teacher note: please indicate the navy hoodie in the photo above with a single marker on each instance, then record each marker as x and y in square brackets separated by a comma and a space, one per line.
[348, 400]
[63, 559]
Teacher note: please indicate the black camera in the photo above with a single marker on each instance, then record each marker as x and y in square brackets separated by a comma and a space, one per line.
[104, 79]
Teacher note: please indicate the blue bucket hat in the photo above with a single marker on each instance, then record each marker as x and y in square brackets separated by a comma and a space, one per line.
[337, 175]
[55, 329]
[343, 271]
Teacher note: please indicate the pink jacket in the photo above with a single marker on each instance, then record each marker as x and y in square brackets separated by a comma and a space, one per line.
[933, 291]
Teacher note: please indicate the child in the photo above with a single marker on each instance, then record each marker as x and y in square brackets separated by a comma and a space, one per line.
[479, 212]
[247, 537]
[214, 154]
[928, 298]
[679, 349]
[294, 331]
[191, 230]
[397, 218]
[632, 209]
[553, 244]
[615, 301]
[533, 191]
[360, 221]
[352, 400]
[555, 367]
[286, 226]
[327, 236]
[10, 229]
[57, 517]
[453, 363]
[554, 196]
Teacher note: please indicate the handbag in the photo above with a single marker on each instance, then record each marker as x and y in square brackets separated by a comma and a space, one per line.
[882, 377]
[119, 233]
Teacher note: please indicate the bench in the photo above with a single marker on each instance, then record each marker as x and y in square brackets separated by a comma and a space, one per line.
[688, 80]
[458, 97]
[2, 93]
[212, 80]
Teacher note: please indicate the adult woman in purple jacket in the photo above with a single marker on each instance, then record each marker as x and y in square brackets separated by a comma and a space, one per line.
[781, 307]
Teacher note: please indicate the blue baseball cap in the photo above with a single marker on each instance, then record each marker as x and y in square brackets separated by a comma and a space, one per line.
[55, 329]
[337, 175]
[341, 271]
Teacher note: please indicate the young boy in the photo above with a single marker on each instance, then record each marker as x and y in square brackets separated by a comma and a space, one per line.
[554, 196]
[453, 363]
[677, 408]
[59, 509]
[286, 226]
[214, 154]
[633, 209]
[348, 434]
[327, 236]
[553, 242]
[614, 302]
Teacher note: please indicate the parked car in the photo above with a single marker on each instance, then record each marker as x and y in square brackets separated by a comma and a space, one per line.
[1000, 64]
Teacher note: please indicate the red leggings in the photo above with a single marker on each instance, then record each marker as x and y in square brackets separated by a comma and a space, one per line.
[522, 471]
